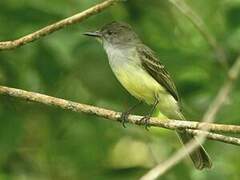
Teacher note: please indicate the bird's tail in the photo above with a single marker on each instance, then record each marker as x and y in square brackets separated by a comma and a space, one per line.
[199, 157]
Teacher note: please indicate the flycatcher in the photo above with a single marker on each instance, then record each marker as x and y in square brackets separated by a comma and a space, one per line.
[138, 69]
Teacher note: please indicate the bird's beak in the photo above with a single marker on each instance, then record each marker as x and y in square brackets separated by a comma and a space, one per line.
[96, 34]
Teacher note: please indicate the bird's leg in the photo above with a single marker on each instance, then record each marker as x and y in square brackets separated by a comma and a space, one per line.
[145, 119]
[125, 114]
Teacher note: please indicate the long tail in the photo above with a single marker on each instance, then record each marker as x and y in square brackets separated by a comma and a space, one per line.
[200, 157]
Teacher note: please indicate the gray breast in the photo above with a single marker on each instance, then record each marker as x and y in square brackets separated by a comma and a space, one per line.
[121, 56]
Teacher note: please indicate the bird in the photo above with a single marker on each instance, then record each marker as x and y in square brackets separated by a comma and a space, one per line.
[141, 73]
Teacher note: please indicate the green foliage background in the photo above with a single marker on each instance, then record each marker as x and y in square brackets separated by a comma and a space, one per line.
[39, 142]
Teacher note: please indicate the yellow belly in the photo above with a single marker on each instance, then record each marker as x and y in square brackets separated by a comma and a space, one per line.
[144, 87]
[139, 83]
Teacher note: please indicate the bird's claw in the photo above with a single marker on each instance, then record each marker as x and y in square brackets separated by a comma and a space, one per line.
[145, 121]
[124, 118]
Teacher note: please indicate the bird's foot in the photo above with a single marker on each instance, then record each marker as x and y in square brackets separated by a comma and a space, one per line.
[124, 115]
[145, 121]
[124, 118]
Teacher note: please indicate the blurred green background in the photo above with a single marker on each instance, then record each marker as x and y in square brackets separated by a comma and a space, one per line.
[39, 142]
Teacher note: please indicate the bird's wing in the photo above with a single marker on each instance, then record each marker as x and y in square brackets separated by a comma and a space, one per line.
[152, 65]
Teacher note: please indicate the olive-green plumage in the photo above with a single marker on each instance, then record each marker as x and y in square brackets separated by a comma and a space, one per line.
[138, 69]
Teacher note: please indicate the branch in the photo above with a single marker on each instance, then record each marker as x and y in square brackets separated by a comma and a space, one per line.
[196, 20]
[57, 26]
[208, 117]
[113, 115]
[214, 136]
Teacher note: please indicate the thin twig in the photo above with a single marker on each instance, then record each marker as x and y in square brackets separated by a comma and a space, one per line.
[57, 26]
[209, 117]
[197, 21]
[214, 136]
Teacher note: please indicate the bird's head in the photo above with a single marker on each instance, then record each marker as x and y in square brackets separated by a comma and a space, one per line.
[115, 34]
